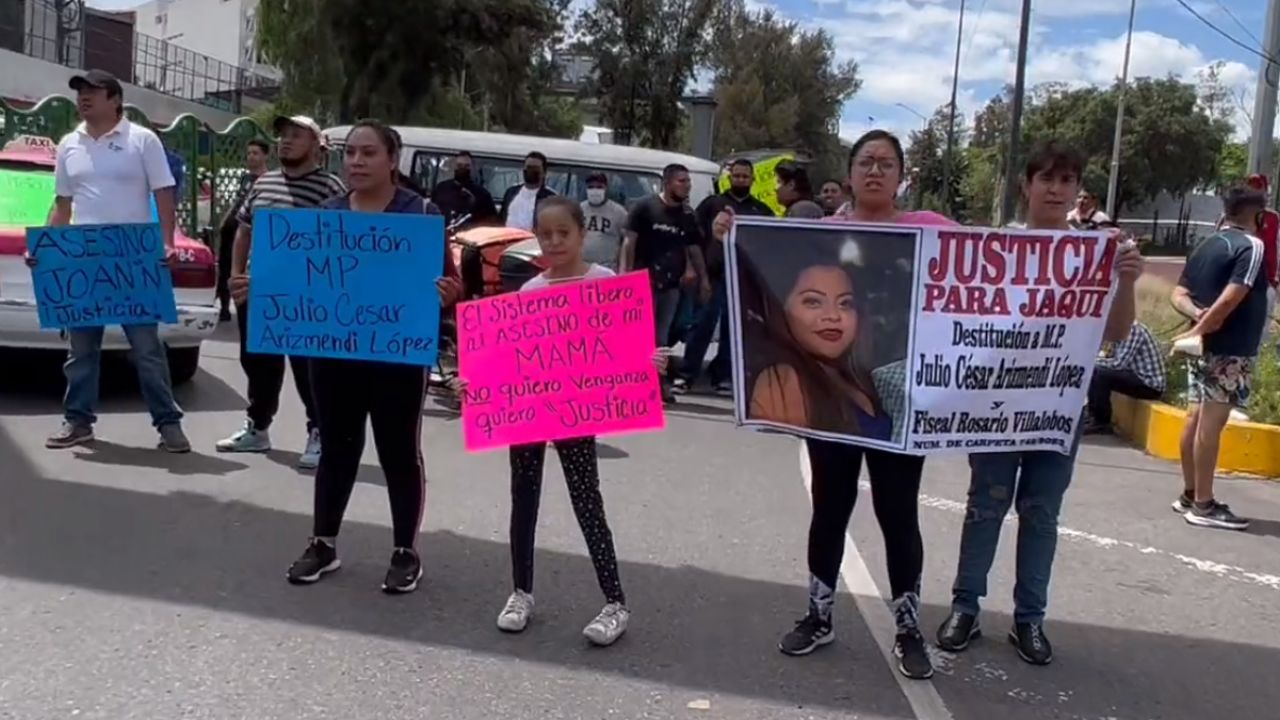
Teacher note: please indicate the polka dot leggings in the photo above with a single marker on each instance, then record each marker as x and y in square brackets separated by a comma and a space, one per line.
[582, 473]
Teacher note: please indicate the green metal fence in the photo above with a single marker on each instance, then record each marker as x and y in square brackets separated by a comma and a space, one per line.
[208, 156]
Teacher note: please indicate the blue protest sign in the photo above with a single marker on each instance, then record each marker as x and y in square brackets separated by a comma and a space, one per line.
[337, 284]
[97, 275]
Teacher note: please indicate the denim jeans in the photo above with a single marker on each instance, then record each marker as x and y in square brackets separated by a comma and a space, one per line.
[84, 365]
[699, 338]
[666, 303]
[1035, 483]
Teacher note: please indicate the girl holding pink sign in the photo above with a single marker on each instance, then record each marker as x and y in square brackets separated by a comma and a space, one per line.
[561, 230]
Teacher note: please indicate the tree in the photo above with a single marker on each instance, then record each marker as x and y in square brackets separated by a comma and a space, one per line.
[926, 163]
[1215, 97]
[645, 54]
[407, 62]
[1233, 163]
[1170, 142]
[788, 96]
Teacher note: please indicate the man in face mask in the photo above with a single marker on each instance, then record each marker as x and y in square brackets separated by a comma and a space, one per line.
[462, 195]
[606, 221]
[738, 200]
[520, 201]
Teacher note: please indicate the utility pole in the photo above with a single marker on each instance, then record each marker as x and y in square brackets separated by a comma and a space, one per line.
[951, 118]
[1114, 179]
[1011, 185]
[1264, 98]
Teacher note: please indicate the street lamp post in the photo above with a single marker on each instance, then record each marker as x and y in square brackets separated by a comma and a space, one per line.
[924, 121]
[951, 117]
[1113, 180]
[1011, 186]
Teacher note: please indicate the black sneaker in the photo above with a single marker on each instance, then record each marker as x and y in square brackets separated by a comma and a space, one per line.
[1183, 503]
[1031, 643]
[913, 658]
[319, 558]
[958, 631]
[680, 386]
[809, 634]
[404, 573]
[1216, 515]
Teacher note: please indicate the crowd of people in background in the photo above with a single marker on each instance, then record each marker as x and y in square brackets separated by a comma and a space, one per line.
[109, 169]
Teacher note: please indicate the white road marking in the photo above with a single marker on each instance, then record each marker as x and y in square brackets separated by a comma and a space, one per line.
[873, 605]
[1230, 572]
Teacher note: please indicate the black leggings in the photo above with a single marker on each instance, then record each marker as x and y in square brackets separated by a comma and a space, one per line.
[349, 393]
[582, 474]
[895, 495]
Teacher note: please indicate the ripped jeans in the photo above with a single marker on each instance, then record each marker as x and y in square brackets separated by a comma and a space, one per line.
[1034, 483]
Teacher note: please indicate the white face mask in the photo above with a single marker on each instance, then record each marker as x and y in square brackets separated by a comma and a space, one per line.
[595, 196]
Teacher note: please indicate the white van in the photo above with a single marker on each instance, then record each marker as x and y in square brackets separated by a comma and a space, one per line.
[499, 162]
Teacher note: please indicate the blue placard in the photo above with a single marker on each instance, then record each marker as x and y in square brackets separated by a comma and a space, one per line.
[97, 275]
[337, 284]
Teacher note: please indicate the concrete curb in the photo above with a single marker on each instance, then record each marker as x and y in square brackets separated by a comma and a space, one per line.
[1248, 448]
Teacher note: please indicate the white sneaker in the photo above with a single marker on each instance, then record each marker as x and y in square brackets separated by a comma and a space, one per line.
[515, 616]
[247, 439]
[608, 626]
[310, 458]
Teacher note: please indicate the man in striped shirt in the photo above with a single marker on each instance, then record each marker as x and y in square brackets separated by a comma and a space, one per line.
[299, 183]
[1134, 367]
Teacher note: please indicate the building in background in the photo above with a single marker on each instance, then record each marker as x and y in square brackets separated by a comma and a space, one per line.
[224, 30]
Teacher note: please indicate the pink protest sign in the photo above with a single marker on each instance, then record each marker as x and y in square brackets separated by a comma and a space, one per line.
[562, 362]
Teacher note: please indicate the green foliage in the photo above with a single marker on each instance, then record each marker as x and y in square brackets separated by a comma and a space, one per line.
[453, 63]
[1233, 163]
[645, 54]
[927, 163]
[1264, 400]
[779, 86]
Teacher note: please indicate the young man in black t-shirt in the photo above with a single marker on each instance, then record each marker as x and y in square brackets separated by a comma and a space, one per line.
[662, 237]
[1224, 291]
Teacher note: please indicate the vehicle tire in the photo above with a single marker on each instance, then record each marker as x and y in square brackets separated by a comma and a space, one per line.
[183, 363]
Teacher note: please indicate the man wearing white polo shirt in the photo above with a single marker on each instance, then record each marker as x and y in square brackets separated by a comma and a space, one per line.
[107, 170]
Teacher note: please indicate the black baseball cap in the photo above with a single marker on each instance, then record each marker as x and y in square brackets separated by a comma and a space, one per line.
[97, 79]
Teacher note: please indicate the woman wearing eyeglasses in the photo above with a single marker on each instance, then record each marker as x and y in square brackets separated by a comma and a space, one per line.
[875, 172]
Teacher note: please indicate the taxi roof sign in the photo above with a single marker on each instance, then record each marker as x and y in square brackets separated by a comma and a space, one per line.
[30, 142]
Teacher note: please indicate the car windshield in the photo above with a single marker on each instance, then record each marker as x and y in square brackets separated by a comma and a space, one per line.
[498, 174]
[26, 193]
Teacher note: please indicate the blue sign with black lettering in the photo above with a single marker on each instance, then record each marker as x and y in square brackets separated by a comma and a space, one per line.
[349, 285]
[98, 275]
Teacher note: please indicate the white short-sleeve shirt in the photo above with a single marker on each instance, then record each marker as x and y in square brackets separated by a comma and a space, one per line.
[111, 179]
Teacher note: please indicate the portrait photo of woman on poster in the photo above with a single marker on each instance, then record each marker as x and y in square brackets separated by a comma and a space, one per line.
[814, 306]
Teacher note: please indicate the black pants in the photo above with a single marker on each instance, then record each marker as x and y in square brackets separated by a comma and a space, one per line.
[349, 394]
[581, 472]
[266, 379]
[895, 495]
[226, 241]
[1107, 380]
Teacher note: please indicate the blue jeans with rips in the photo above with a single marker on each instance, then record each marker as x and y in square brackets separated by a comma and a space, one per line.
[84, 365]
[1035, 483]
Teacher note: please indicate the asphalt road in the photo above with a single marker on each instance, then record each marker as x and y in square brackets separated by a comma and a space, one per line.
[139, 585]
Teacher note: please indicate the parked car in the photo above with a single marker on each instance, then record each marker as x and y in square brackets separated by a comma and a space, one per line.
[195, 272]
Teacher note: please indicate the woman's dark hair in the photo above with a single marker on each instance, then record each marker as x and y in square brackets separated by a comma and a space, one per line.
[572, 207]
[1053, 156]
[261, 145]
[796, 176]
[874, 135]
[766, 280]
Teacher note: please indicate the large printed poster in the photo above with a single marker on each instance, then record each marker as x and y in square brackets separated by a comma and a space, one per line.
[921, 340]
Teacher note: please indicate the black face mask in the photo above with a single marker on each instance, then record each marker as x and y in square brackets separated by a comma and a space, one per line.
[532, 176]
[462, 175]
[740, 193]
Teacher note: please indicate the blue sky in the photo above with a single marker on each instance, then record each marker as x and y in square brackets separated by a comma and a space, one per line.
[905, 48]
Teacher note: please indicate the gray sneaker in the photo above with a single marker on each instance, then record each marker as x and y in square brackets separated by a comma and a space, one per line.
[173, 440]
[247, 439]
[69, 435]
[608, 626]
[310, 458]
